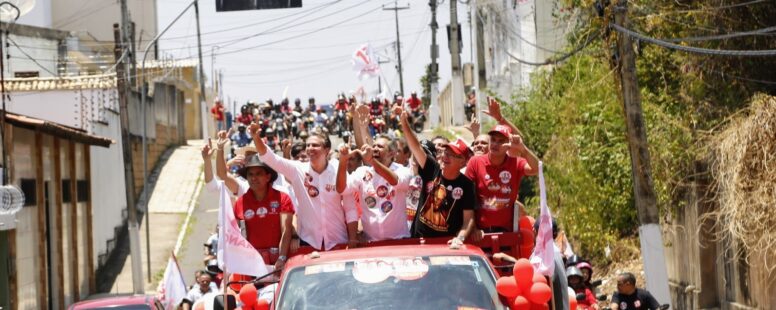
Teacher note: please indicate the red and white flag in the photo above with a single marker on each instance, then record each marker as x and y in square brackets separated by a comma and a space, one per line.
[365, 62]
[172, 289]
[235, 253]
[543, 257]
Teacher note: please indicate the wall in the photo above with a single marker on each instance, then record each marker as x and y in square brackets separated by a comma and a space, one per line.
[43, 50]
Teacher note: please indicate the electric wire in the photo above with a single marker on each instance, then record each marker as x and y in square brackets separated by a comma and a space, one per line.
[690, 49]
[555, 60]
[30, 57]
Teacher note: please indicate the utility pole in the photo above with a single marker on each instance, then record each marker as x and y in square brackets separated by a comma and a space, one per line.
[395, 10]
[203, 99]
[455, 60]
[433, 79]
[123, 90]
[650, 234]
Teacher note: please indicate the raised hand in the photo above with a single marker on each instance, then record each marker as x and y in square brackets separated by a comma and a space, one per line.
[207, 150]
[367, 154]
[405, 118]
[253, 130]
[222, 139]
[474, 127]
[494, 109]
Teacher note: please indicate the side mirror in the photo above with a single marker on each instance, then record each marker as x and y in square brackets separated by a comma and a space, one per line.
[601, 297]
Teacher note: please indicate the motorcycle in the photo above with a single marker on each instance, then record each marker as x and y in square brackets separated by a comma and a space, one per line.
[377, 125]
[339, 125]
[469, 109]
[418, 120]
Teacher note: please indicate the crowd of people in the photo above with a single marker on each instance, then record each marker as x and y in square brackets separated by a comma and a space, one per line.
[293, 188]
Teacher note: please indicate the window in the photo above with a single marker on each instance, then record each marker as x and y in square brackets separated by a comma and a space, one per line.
[29, 188]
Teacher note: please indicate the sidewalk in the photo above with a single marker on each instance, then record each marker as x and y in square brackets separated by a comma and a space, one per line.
[173, 196]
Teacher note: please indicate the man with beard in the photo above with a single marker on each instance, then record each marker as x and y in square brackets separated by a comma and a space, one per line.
[323, 221]
[381, 189]
[447, 197]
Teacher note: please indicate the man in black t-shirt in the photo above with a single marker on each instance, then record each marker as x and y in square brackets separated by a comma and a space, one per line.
[447, 197]
[628, 297]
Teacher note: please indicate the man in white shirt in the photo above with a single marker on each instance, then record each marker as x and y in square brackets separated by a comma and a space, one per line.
[380, 189]
[323, 220]
[197, 291]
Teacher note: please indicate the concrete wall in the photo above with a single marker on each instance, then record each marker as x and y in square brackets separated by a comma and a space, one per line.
[43, 50]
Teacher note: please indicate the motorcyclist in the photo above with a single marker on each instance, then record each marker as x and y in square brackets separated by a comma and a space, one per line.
[241, 137]
[284, 107]
[471, 104]
[298, 105]
[321, 118]
[270, 140]
[577, 283]
[375, 116]
[414, 103]
[245, 117]
[629, 297]
[310, 105]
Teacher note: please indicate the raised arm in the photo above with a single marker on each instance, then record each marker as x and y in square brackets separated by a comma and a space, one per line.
[494, 110]
[207, 153]
[412, 140]
[385, 172]
[221, 169]
[342, 169]
[518, 148]
[283, 166]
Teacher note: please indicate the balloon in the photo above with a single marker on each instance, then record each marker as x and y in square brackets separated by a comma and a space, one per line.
[523, 272]
[539, 306]
[538, 277]
[248, 294]
[572, 303]
[507, 287]
[262, 304]
[521, 303]
[539, 293]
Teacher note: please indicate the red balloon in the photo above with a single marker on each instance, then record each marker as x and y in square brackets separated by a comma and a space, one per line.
[539, 306]
[538, 277]
[523, 272]
[248, 295]
[521, 303]
[539, 293]
[261, 305]
[572, 303]
[507, 287]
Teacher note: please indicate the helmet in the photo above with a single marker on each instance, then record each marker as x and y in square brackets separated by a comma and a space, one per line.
[573, 271]
[375, 100]
[311, 99]
[269, 131]
[284, 101]
[341, 96]
[269, 101]
[413, 93]
[297, 101]
[573, 260]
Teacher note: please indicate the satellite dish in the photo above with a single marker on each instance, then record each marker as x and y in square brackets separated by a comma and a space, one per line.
[11, 10]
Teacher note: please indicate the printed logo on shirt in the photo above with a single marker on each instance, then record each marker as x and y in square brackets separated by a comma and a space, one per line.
[391, 194]
[506, 190]
[367, 177]
[493, 186]
[487, 176]
[416, 182]
[248, 214]
[274, 206]
[308, 179]
[312, 191]
[261, 212]
[330, 187]
[637, 303]
[505, 177]
[386, 207]
[429, 186]
[370, 202]
[623, 305]
[457, 193]
[382, 191]
[449, 187]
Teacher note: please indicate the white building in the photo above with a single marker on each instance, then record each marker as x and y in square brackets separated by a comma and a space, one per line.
[529, 30]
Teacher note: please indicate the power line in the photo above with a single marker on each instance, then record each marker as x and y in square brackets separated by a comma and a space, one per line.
[30, 57]
[763, 31]
[690, 49]
[558, 59]
[285, 39]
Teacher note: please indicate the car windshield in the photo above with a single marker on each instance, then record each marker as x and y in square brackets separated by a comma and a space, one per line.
[435, 282]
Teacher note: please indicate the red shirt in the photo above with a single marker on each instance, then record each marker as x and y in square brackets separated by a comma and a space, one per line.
[414, 103]
[262, 218]
[497, 188]
[218, 112]
[245, 119]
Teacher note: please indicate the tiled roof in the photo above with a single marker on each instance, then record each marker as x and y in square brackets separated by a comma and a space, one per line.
[57, 129]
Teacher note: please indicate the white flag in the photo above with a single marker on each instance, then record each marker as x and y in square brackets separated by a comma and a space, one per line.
[365, 62]
[543, 257]
[172, 289]
[235, 254]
